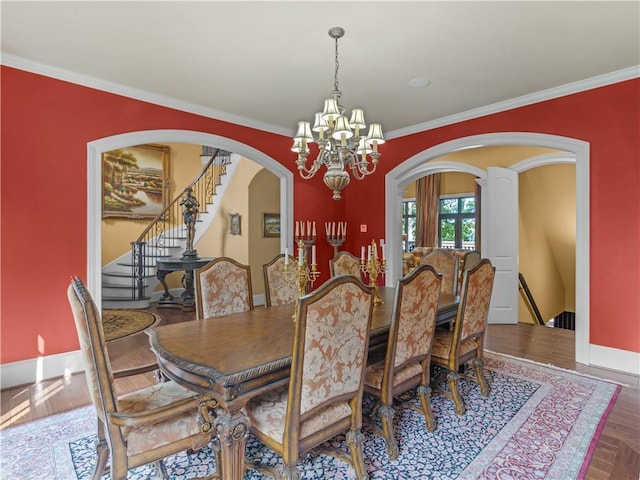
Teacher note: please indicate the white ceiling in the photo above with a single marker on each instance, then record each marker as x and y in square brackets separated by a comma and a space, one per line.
[271, 64]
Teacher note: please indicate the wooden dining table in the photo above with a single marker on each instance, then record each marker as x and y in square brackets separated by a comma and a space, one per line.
[234, 358]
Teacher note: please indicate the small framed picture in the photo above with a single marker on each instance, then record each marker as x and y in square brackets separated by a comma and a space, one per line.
[234, 223]
[271, 225]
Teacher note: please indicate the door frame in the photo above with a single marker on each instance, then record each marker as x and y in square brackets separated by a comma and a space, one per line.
[94, 187]
[423, 163]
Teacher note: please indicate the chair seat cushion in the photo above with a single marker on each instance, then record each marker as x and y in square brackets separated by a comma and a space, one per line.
[144, 438]
[373, 374]
[267, 415]
[442, 343]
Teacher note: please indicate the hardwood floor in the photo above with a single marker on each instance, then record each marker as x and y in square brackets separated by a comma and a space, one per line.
[616, 457]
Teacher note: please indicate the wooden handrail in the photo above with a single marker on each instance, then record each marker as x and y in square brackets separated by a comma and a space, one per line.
[532, 302]
[163, 214]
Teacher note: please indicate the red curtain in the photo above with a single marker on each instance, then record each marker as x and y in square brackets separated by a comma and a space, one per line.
[427, 208]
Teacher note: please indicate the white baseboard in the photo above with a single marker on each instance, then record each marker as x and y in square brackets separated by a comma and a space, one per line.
[614, 359]
[258, 299]
[52, 366]
[37, 369]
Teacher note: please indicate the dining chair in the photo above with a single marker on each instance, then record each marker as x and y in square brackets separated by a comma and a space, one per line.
[324, 395]
[223, 286]
[278, 288]
[470, 260]
[445, 264]
[453, 349]
[140, 427]
[406, 363]
[345, 263]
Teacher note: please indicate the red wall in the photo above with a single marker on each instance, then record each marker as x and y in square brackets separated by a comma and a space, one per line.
[46, 125]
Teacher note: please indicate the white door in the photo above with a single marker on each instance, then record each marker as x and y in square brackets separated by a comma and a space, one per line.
[501, 247]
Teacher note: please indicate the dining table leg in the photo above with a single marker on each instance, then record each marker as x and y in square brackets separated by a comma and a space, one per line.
[232, 430]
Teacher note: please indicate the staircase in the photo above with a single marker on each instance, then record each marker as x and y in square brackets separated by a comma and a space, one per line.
[130, 280]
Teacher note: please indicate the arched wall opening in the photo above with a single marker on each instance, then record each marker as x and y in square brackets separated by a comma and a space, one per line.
[425, 163]
[94, 186]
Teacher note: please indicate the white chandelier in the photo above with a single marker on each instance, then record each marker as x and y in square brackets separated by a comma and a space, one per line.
[341, 142]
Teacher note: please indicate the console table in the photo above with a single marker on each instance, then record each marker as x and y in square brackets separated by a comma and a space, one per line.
[187, 302]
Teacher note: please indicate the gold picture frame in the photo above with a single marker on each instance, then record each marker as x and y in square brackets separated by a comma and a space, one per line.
[135, 181]
[271, 225]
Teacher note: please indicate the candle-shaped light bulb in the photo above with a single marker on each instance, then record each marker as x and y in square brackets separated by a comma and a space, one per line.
[300, 256]
[313, 255]
[314, 229]
[362, 254]
[286, 256]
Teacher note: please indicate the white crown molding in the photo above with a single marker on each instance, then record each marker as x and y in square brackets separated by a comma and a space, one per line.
[118, 89]
[556, 92]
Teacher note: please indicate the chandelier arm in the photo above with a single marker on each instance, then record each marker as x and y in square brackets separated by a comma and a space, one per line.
[308, 172]
[362, 168]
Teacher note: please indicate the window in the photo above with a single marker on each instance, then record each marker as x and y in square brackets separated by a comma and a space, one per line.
[457, 225]
[408, 225]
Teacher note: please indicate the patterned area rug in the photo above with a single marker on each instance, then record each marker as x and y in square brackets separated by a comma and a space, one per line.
[122, 323]
[539, 422]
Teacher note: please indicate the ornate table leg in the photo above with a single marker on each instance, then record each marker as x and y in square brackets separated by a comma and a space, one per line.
[232, 430]
[167, 298]
[188, 296]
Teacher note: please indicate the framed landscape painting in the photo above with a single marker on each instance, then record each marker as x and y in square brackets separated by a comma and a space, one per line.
[271, 225]
[135, 181]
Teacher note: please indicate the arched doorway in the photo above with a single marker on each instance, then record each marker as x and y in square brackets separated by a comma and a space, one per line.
[94, 186]
[419, 165]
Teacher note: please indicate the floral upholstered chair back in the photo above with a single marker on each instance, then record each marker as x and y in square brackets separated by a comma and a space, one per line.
[469, 260]
[330, 360]
[223, 286]
[407, 361]
[452, 349]
[345, 263]
[324, 395]
[278, 287]
[95, 357]
[446, 265]
[474, 309]
[414, 321]
[138, 427]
